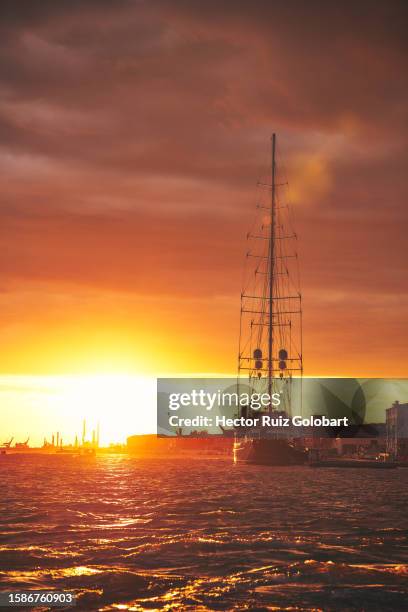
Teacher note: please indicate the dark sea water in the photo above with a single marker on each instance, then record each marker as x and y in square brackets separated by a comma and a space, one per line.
[204, 534]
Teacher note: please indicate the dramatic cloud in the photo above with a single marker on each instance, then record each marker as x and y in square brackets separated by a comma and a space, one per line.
[132, 137]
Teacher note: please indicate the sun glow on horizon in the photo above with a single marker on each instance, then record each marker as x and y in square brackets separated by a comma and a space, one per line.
[38, 406]
[121, 403]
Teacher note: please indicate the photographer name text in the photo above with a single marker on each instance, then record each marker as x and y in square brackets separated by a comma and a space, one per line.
[263, 420]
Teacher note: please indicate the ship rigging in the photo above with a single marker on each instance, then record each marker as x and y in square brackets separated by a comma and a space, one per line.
[270, 343]
[270, 339]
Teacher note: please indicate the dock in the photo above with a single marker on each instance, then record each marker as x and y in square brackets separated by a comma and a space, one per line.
[354, 463]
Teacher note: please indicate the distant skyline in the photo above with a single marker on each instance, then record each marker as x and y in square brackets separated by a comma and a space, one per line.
[133, 135]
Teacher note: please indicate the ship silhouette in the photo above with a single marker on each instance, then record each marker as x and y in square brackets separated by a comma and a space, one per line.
[270, 356]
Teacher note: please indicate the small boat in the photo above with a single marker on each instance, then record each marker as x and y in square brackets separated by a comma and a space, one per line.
[77, 452]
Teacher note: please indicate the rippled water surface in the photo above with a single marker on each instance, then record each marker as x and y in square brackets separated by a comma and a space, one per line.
[204, 534]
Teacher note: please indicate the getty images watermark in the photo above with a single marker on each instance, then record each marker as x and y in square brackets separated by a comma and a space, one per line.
[207, 400]
[201, 399]
[204, 406]
[342, 407]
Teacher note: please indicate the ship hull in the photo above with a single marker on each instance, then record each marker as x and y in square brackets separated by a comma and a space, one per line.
[264, 451]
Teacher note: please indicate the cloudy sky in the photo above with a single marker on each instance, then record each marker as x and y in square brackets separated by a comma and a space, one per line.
[132, 137]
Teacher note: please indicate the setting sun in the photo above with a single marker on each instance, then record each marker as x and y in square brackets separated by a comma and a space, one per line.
[119, 403]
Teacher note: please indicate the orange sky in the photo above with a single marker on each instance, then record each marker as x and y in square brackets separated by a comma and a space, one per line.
[133, 134]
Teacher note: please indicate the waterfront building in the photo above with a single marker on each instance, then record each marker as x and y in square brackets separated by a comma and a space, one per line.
[397, 430]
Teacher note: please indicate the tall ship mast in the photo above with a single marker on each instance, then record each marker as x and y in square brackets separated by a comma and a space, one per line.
[270, 354]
